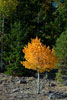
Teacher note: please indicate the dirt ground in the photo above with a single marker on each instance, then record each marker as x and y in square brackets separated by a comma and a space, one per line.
[25, 88]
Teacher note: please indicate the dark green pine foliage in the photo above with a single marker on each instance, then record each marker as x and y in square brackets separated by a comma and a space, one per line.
[61, 19]
[50, 24]
[61, 53]
[56, 24]
[32, 24]
[12, 50]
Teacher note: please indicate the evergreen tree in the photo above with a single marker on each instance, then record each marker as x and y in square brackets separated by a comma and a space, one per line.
[61, 52]
[6, 8]
[41, 19]
[34, 19]
[12, 50]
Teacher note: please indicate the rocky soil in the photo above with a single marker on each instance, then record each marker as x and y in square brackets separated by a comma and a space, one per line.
[25, 88]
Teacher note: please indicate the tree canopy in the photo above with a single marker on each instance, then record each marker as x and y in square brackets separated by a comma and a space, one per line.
[7, 6]
[38, 56]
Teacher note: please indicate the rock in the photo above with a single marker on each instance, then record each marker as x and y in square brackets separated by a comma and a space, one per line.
[20, 97]
[30, 79]
[64, 77]
[26, 96]
[22, 82]
[52, 84]
[51, 96]
[15, 90]
[57, 95]
[65, 83]
[63, 95]
[1, 81]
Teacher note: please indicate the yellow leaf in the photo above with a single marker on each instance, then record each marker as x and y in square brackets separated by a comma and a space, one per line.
[38, 56]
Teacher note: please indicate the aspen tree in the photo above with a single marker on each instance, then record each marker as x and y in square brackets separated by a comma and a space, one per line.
[38, 57]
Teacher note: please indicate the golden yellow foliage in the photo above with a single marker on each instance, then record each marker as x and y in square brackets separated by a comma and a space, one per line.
[38, 56]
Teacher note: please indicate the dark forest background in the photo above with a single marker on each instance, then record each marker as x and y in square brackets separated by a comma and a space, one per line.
[47, 20]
